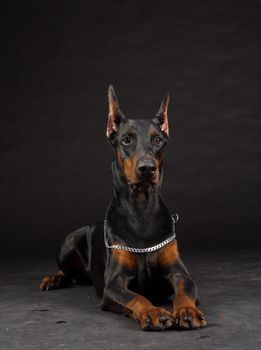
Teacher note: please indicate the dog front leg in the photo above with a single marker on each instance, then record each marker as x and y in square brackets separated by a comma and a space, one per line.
[185, 312]
[117, 297]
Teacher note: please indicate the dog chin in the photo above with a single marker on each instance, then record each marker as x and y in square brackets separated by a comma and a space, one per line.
[142, 187]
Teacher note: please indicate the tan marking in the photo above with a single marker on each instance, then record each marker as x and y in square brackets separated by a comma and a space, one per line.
[138, 306]
[125, 258]
[51, 282]
[149, 316]
[60, 274]
[118, 156]
[129, 168]
[156, 178]
[159, 162]
[182, 300]
[169, 254]
[185, 313]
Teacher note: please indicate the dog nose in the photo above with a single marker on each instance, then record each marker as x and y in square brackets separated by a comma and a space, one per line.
[147, 167]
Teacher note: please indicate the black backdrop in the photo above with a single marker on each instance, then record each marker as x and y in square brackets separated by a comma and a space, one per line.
[57, 59]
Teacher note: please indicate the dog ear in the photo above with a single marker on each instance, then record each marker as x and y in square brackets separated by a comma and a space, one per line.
[162, 115]
[115, 116]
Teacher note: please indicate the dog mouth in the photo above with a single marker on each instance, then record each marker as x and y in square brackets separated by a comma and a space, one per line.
[144, 186]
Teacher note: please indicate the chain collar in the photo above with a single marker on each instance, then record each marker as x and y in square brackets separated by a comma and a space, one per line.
[174, 218]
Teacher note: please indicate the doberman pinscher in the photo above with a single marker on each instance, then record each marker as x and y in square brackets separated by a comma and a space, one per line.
[132, 257]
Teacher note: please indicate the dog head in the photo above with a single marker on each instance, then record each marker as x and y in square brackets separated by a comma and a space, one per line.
[138, 144]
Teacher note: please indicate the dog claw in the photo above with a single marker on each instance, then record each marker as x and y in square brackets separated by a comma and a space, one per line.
[169, 322]
[147, 319]
[163, 318]
[156, 319]
[189, 317]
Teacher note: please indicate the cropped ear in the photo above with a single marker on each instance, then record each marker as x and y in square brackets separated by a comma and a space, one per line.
[162, 115]
[115, 116]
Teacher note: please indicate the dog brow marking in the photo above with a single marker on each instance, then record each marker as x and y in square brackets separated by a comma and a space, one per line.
[169, 254]
[125, 258]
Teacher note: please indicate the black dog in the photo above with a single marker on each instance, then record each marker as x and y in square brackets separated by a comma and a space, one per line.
[132, 257]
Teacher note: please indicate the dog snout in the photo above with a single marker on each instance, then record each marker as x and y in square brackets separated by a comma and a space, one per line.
[146, 168]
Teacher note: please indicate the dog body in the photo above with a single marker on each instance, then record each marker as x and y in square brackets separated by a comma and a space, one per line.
[132, 257]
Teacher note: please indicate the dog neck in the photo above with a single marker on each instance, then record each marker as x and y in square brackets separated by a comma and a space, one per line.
[140, 218]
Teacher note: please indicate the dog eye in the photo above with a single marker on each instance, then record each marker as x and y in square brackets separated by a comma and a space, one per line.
[158, 140]
[126, 141]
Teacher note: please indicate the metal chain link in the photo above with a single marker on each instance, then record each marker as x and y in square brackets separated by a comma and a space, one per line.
[174, 217]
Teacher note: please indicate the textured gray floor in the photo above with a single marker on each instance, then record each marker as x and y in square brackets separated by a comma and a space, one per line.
[229, 286]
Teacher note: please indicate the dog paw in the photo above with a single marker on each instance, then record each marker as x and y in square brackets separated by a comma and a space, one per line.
[49, 282]
[54, 282]
[188, 318]
[156, 319]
